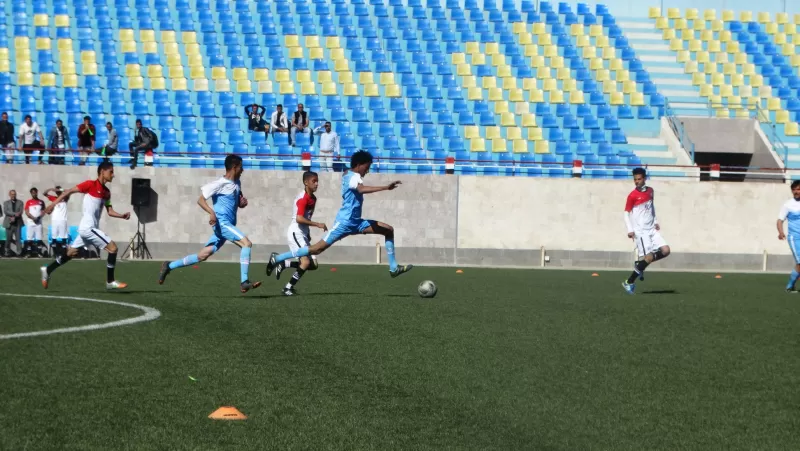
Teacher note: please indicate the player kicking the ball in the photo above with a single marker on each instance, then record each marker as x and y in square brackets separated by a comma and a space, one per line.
[643, 228]
[348, 220]
[790, 211]
[96, 196]
[226, 194]
[299, 235]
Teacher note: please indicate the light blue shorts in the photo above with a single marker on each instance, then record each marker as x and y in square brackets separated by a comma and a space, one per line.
[341, 230]
[794, 245]
[224, 232]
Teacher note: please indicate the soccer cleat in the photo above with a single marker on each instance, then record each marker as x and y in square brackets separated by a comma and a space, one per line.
[788, 290]
[162, 276]
[272, 263]
[289, 292]
[279, 269]
[630, 288]
[247, 286]
[400, 269]
[45, 276]
[116, 285]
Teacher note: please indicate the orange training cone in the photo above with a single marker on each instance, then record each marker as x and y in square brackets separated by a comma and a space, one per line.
[718, 276]
[594, 274]
[227, 413]
[458, 271]
[333, 269]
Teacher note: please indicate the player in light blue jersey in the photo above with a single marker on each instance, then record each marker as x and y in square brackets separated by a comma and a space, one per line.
[226, 195]
[348, 220]
[790, 211]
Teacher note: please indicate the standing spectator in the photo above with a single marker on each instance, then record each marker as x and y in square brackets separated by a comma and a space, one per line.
[86, 139]
[12, 222]
[27, 137]
[328, 146]
[7, 137]
[58, 142]
[300, 124]
[58, 221]
[279, 123]
[144, 140]
[111, 144]
[34, 209]
[255, 119]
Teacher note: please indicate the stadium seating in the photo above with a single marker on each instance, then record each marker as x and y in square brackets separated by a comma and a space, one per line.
[490, 84]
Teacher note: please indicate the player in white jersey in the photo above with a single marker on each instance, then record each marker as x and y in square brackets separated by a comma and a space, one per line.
[790, 211]
[226, 195]
[643, 228]
[299, 233]
[96, 196]
[59, 229]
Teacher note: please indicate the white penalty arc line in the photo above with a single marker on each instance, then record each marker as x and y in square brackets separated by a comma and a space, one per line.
[149, 314]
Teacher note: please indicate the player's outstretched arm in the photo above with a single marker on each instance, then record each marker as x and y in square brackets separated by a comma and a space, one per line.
[781, 235]
[302, 220]
[64, 195]
[212, 217]
[374, 189]
[115, 214]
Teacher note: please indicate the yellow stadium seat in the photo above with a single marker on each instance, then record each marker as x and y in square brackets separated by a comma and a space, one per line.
[239, 73]
[699, 24]
[717, 79]
[301, 76]
[710, 14]
[26, 66]
[528, 120]
[569, 85]
[458, 58]
[616, 65]
[576, 97]
[371, 90]
[222, 85]
[492, 132]
[576, 29]
[150, 47]
[691, 13]
[745, 91]
[774, 104]
[265, 86]
[478, 59]
[126, 34]
[187, 37]
[158, 84]
[365, 78]
[127, 46]
[782, 117]
[788, 49]
[687, 34]
[90, 69]
[392, 91]
[609, 86]
[25, 55]
[549, 84]
[509, 83]
[725, 90]
[675, 45]
[702, 57]
[156, 70]
[698, 78]
[491, 48]
[386, 78]
[43, 44]
[499, 145]
[308, 88]
[463, 69]
[520, 146]
[595, 30]
[737, 80]
[602, 75]
[556, 96]
[22, 42]
[790, 29]
[504, 71]
[181, 84]
[722, 113]
[191, 49]
[316, 53]
[535, 134]
[714, 46]
[25, 78]
[629, 87]
[495, 94]
[746, 16]
[312, 41]
[41, 20]
[47, 79]
[244, 86]
[668, 34]
[706, 35]
[519, 27]
[477, 145]
[468, 81]
[282, 75]
[295, 52]
[344, 77]
[781, 18]
[219, 73]
[513, 132]
[471, 132]
[763, 17]
[525, 39]
[291, 40]
[590, 52]
[62, 21]
[88, 56]
[550, 51]
[507, 119]
[531, 50]
[261, 74]
[609, 53]
[516, 95]
[286, 87]
[473, 48]
[771, 28]
[500, 107]
[706, 90]
[695, 45]
[653, 12]
[791, 129]
[690, 67]
[544, 39]
[329, 88]
[131, 70]
[542, 147]
[69, 81]
[341, 66]
[538, 28]
[332, 42]
[728, 15]
[795, 60]
[796, 39]
[197, 72]
[147, 36]
[596, 63]
[135, 83]
[679, 24]
[637, 99]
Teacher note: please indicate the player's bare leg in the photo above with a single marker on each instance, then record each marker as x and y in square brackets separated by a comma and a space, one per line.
[380, 228]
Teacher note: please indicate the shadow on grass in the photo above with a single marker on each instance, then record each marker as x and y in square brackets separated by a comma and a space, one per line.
[131, 292]
[660, 292]
[399, 295]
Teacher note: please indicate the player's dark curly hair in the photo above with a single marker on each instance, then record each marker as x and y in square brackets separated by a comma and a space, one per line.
[308, 175]
[231, 161]
[795, 184]
[103, 166]
[359, 158]
[640, 171]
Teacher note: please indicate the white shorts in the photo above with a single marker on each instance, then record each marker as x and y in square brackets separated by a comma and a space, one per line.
[94, 237]
[297, 239]
[649, 242]
[59, 230]
[34, 232]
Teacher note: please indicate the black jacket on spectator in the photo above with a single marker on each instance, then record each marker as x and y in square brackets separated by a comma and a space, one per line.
[255, 116]
[6, 133]
[145, 137]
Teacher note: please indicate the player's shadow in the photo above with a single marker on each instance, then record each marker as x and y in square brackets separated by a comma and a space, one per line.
[660, 292]
[329, 294]
[399, 296]
[131, 292]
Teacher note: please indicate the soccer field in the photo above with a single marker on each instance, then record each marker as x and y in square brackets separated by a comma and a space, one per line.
[500, 359]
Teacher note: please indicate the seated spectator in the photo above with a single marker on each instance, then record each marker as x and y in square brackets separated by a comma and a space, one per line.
[111, 144]
[58, 142]
[255, 119]
[28, 133]
[144, 140]
[279, 123]
[7, 137]
[328, 146]
[300, 124]
[86, 139]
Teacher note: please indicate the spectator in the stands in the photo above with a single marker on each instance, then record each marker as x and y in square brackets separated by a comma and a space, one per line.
[12, 222]
[28, 133]
[58, 142]
[279, 123]
[328, 146]
[255, 119]
[34, 210]
[86, 139]
[144, 140]
[300, 124]
[7, 137]
[111, 144]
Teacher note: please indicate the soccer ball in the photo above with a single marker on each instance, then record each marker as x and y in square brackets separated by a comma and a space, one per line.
[427, 289]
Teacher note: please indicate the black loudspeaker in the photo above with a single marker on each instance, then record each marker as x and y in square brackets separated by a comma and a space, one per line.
[140, 193]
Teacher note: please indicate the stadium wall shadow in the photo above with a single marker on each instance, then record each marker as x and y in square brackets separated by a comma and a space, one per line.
[450, 220]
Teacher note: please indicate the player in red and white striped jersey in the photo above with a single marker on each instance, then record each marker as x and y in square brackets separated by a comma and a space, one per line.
[96, 197]
[643, 228]
[299, 234]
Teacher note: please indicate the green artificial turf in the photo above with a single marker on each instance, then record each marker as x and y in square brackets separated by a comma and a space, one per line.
[500, 359]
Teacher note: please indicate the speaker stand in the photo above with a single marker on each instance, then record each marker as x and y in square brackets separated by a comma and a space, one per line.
[137, 247]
